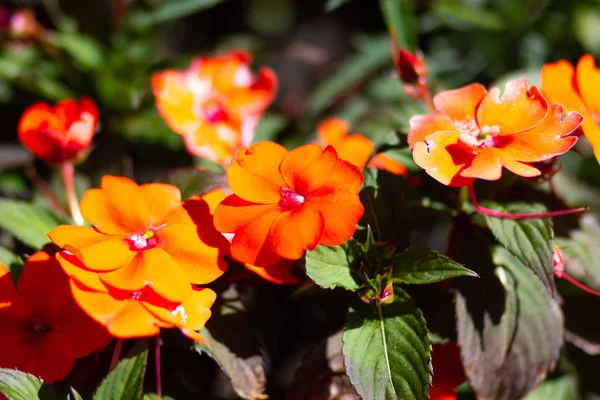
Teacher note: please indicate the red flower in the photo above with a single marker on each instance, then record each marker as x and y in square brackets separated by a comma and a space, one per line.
[42, 329]
[61, 133]
[448, 371]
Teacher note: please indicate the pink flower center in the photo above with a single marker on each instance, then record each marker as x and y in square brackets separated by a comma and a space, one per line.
[474, 137]
[290, 199]
[213, 112]
[139, 242]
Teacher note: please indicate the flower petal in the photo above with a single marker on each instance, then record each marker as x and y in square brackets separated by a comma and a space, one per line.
[488, 165]
[443, 158]
[557, 85]
[255, 98]
[355, 148]
[75, 269]
[422, 126]
[97, 210]
[216, 141]
[385, 162]
[163, 199]
[459, 104]
[307, 167]
[11, 306]
[295, 231]
[128, 201]
[332, 130]
[234, 212]
[281, 273]
[175, 101]
[519, 109]
[250, 241]
[588, 82]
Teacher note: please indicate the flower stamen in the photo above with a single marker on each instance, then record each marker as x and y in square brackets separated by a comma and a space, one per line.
[290, 199]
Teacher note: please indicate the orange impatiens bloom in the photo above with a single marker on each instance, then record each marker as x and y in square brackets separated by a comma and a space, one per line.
[355, 148]
[577, 91]
[42, 330]
[144, 236]
[215, 104]
[285, 202]
[61, 133]
[474, 133]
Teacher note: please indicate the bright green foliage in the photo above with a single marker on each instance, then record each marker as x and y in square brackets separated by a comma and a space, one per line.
[126, 381]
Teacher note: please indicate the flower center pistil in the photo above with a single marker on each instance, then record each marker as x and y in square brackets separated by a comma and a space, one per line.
[139, 242]
[290, 199]
[473, 139]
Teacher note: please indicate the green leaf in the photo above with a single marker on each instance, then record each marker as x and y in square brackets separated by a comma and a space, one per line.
[530, 240]
[17, 385]
[329, 267]
[85, 50]
[563, 388]
[387, 352]
[194, 181]
[331, 5]
[170, 10]
[269, 127]
[400, 18]
[73, 394]
[126, 381]
[510, 329]
[423, 266]
[29, 223]
[247, 374]
[7, 257]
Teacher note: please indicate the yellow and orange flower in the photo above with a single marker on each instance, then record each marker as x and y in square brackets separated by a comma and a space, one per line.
[285, 202]
[355, 148]
[143, 236]
[577, 90]
[215, 104]
[474, 133]
[42, 330]
[61, 133]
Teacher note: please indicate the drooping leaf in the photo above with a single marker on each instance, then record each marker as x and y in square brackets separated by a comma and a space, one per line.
[126, 381]
[400, 19]
[27, 222]
[387, 351]
[247, 374]
[330, 267]
[530, 240]
[422, 266]
[510, 329]
[194, 181]
[17, 385]
[563, 388]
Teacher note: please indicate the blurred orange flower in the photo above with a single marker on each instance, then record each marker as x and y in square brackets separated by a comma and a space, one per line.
[42, 329]
[215, 104]
[577, 91]
[286, 202]
[61, 133]
[355, 148]
[144, 236]
[448, 371]
[475, 133]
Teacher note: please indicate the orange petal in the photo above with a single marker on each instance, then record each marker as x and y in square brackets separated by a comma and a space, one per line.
[488, 165]
[200, 262]
[387, 163]
[422, 126]
[295, 231]
[234, 212]
[355, 148]
[281, 273]
[546, 140]
[256, 97]
[588, 82]
[558, 85]
[592, 133]
[97, 210]
[215, 197]
[162, 199]
[150, 268]
[442, 157]
[128, 201]
[459, 104]
[77, 271]
[249, 243]
[307, 167]
[519, 109]
[217, 141]
[175, 101]
[332, 130]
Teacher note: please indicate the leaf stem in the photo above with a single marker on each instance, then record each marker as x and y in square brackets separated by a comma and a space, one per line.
[157, 368]
[116, 353]
[499, 214]
[68, 176]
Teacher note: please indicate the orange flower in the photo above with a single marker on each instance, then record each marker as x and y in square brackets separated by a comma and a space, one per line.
[448, 371]
[355, 148]
[61, 133]
[287, 202]
[577, 91]
[215, 104]
[42, 330]
[144, 236]
[474, 133]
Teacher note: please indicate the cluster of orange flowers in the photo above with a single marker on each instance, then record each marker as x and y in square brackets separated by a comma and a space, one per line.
[137, 268]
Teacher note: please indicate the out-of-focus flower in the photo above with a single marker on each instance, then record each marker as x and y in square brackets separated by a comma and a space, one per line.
[59, 134]
[411, 69]
[215, 104]
[143, 236]
[577, 91]
[19, 24]
[286, 202]
[42, 329]
[448, 371]
[475, 133]
[355, 148]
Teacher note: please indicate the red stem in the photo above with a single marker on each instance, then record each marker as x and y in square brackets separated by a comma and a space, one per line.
[116, 353]
[428, 99]
[579, 285]
[499, 214]
[68, 175]
[157, 366]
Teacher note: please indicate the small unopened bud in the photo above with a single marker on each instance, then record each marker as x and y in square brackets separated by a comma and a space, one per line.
[411, 70]
[387, 295]
[558, 263]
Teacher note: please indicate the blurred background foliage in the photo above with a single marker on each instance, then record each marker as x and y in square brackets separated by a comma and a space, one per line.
[332, 58]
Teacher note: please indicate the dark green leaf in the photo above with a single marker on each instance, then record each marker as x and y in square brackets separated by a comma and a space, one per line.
[73, 395]
[510, 329]
[7, 257]
[329, 267]
[530, 240]
[17, 385]
[194, 181]
[170, 10]
[247, 374]
[422, 266]
[84, 49]
[126, 381]
[563, 388]
[400, 18]
[29, 223]
[387, 352]
[331, 5]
